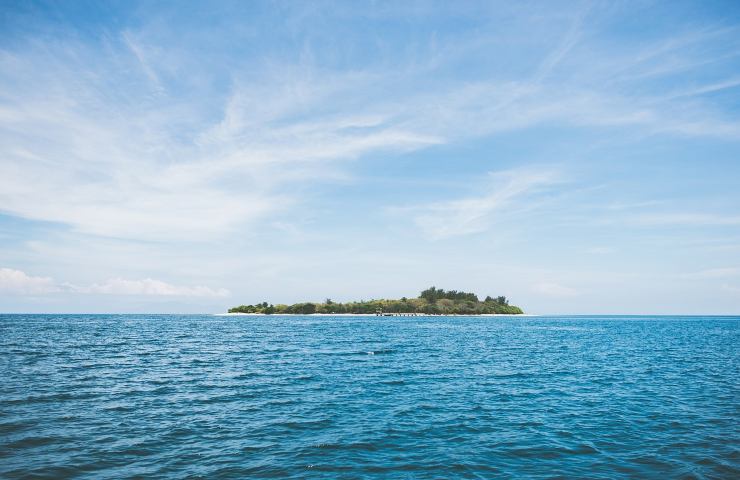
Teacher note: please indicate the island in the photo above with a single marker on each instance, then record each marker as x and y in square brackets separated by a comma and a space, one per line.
[432, 301]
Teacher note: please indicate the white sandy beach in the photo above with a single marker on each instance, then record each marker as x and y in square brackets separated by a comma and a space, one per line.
[367, 315]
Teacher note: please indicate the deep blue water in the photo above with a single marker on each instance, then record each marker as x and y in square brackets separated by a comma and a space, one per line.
[115, 396]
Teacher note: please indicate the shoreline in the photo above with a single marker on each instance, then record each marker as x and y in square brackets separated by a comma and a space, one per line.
[369, 315]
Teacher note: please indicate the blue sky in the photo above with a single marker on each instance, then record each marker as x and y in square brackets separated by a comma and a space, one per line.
[577, 157]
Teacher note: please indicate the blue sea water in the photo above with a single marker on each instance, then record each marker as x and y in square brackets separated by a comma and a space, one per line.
[171, 396]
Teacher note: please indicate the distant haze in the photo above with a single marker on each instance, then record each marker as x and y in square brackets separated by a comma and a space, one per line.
[575, 157]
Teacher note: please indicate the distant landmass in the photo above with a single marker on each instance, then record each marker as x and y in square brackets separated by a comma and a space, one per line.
[432, 301]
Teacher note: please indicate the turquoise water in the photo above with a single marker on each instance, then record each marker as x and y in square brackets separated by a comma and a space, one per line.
[116, 396]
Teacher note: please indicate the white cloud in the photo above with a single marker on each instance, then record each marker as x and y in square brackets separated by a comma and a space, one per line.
[552, 289]
[688, 219]
[600, 250]
[476, 214]
[136, 169]
[18, 282]
[141, 56]
[141, 136]
[148, 286]
[126, 158]
[712, 273]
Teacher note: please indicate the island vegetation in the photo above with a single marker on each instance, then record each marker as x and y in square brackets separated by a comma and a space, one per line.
[432, 301]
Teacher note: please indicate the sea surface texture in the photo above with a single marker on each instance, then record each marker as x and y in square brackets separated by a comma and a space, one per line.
[169, 396]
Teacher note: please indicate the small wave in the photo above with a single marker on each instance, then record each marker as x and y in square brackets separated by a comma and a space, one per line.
[375, 399]
[382, 351]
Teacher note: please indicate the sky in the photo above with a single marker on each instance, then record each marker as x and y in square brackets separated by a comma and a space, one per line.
[576, 157]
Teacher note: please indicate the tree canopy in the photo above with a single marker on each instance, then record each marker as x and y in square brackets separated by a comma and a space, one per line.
[432, 301]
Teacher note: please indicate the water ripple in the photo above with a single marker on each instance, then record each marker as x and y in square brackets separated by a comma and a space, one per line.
[112, 396]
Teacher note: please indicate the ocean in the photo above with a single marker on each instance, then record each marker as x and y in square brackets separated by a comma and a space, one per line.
[200, 396]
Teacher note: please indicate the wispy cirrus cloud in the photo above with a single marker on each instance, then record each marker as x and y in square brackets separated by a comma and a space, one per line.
[600, 250]
[688, 219]
[200, 177]
[17, 282]
[552, 289]
[147, 286]
[473, 214]
[106, 132]
[284, 129]
[712, 273]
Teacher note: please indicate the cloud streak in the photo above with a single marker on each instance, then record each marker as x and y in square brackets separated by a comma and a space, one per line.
[139, 144]
[556, 290]
[474, 214]
[712, 273]
[17, 282]
[142, 164]
[685, 219]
